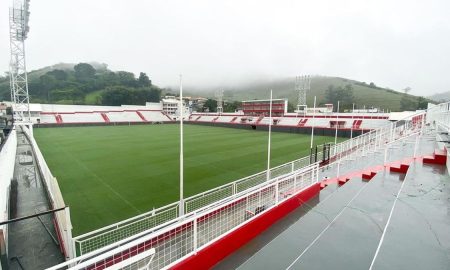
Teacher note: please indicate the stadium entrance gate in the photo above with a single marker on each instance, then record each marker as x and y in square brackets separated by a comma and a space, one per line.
[324, 155]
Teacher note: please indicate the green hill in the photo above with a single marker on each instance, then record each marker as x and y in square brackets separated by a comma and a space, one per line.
[85, 83]
[61, 83]
[363, 94]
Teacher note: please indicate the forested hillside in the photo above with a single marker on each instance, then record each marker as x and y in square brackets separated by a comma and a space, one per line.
[85, 83]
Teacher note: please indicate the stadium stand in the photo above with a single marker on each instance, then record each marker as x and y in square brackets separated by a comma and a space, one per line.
[55, 114]
[325, 121]
[81, 118]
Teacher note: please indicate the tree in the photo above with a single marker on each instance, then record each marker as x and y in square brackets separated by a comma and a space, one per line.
[231, 106]
[422, 103]
[407, 90]
[126, 78]
[342, 94]
[84, 72]
[210, 105]
[116, 96]
[58, 74]
[408, 103]
[47, 84]
[144, 80]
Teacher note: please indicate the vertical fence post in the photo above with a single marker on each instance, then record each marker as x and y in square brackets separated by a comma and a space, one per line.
[292, 167]
[234, 188]
[295, 182]
[195, 244]
[385, 154]
[277, 191]
[317, 173]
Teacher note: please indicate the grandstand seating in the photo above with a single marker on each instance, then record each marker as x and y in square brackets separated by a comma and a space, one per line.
[287, 121]
[154, 116]
[225, 119]
[123, 117]
[81, 118]
[48, 119]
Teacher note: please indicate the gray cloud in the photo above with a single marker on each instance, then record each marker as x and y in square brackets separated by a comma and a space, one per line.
[392, 43]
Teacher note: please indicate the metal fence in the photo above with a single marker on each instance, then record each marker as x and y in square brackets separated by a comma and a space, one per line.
[160, 217]
[212, 214]
[203, 227]
[62, 218]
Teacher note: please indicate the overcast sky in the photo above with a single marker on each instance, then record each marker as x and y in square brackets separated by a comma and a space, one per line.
[392, 43]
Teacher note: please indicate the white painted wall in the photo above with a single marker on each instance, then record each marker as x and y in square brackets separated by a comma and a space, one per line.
[7, 161]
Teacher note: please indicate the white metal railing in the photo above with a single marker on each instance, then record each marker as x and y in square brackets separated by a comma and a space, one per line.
[166, 215]
[362, 144]
[62, 218]
[439, 116]
[200, 228]
[191, 232]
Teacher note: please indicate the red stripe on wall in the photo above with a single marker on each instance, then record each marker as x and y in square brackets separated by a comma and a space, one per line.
[211, 255]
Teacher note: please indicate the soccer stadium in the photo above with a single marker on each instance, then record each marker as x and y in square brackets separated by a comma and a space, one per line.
[164, 186]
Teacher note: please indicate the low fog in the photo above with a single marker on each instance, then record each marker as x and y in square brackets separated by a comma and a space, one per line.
[392, 43]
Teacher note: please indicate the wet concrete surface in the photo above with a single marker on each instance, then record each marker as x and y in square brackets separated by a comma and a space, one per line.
[31, 246]
[344, 227]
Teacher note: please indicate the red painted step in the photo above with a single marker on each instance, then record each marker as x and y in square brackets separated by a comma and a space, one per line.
[259, 119]
[357, 124]
[368, 175]
[402, 168]
[105, 117]
[343, 180]
[438, 157]
[58, 119]
[302, 122]
[141, 116]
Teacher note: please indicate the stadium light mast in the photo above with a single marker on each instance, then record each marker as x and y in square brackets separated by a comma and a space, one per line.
[219, 96]
[181, 207]
[302, 85]
[18, 32]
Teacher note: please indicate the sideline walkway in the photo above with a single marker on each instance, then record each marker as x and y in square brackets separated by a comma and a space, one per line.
[32, 242]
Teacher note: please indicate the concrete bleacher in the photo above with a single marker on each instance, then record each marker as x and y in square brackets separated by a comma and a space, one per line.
[319, 122]
[289, 121]
[224, 119]
[47, 119]
[81, 118]
[373, 123]
[88, 114]
[123, 117]
[394, 220]
[154, 116]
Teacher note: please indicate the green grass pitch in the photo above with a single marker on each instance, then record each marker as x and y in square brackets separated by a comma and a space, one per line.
[108, 174]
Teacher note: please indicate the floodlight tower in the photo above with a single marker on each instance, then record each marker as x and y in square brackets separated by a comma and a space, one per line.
[302, 85]
[219, 96]
[18, 32]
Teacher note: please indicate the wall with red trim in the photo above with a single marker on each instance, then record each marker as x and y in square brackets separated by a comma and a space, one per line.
[211, 255]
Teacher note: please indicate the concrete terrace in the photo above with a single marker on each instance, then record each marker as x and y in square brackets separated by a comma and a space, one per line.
[394, 220]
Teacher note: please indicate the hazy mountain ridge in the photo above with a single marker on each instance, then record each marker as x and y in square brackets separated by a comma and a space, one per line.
[441, 97]
[367, 94]
[364, 94]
